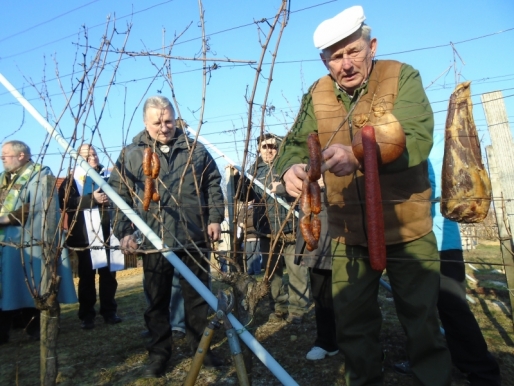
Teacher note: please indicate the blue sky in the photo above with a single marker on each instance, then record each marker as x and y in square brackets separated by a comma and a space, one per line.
[37, 39]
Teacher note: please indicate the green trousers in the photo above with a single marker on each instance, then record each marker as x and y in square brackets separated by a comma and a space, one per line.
[413, 271]
[296, 300]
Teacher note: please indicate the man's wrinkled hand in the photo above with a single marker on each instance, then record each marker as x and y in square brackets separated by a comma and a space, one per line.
[128, 244]
[214, 231]
[293, 179]
[339, 159]
[100, 197]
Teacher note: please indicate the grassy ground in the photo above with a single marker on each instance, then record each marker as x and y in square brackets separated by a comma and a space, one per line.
[115, 355]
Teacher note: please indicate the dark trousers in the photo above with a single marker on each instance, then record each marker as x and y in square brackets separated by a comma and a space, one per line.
[26, 318]
[465, 340]
[321, 287]
[158, 273]
[87, 290]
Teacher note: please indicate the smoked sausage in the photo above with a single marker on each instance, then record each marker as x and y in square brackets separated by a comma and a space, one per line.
[147, 162]
[374, 212]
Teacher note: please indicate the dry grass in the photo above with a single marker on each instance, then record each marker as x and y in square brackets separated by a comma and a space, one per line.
[115, 355]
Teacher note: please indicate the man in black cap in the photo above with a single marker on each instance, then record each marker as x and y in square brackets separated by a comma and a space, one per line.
[268, 217]
[357, 84]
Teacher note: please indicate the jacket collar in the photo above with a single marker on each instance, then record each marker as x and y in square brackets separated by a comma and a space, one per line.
[179, 140]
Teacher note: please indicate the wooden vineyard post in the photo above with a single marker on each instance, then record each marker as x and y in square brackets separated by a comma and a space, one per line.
[503, 226]
[501, 140]
[50, 310]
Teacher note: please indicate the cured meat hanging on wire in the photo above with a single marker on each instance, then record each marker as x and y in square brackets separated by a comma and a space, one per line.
[465, 184]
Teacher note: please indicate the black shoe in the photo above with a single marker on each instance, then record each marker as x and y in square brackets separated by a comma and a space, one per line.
[177, 334]
[87, 324]
[212, 361]
[34, 335]
[155, 368]
[145, 334]
[403, 368]
[113, 319]
[4, 338]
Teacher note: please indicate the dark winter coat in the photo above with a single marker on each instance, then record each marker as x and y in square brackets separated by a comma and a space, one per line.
[74, 207]
[184, 216]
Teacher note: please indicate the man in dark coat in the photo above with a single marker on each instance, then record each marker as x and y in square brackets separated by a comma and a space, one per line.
[187, 216]
[268, 217]
[76, 200]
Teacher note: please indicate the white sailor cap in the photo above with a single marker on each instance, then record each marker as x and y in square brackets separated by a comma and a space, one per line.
[342, 25]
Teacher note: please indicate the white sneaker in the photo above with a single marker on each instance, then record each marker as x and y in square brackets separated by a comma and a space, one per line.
[318, 353]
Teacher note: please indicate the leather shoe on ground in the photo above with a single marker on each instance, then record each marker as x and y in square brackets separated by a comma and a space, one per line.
[403, 368]
[145, 334]
[212, 361]
[276, 317]
[177, 334]
[155, 368]
[87, 325]
[34, 335]
[294, 319]
[113, 319]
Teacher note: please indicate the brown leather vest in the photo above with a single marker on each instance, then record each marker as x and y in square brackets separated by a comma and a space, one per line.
[405, 194]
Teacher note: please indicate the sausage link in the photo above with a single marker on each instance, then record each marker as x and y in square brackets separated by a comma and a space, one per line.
[156, 197]
[156, 165]
[147, 162]
[315, 191]
[374, 212]
[314, 146]
[316, 227]
[305, 201]
[306, 229]
[149, 189]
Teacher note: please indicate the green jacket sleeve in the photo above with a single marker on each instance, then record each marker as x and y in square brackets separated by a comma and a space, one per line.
[294, 148]
[413, 111]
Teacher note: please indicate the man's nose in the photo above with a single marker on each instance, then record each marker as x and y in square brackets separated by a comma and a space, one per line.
[347, 63]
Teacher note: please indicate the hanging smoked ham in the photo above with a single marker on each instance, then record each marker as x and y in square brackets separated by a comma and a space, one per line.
[465, 185]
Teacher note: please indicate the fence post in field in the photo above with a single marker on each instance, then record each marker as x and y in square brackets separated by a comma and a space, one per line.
[503, 226]
[501, 140]
[49, 283]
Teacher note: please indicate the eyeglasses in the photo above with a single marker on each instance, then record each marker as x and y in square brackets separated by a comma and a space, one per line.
[270, 147]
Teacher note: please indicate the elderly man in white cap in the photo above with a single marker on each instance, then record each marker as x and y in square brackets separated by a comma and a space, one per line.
[356, 84]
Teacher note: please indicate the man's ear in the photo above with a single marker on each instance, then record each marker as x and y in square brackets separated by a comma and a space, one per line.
[373, 46]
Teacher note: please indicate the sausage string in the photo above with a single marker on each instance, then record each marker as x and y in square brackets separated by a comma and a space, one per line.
[151, 169]
[310, 204]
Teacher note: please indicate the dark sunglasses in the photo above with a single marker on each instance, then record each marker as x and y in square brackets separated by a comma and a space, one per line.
[272, 147]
